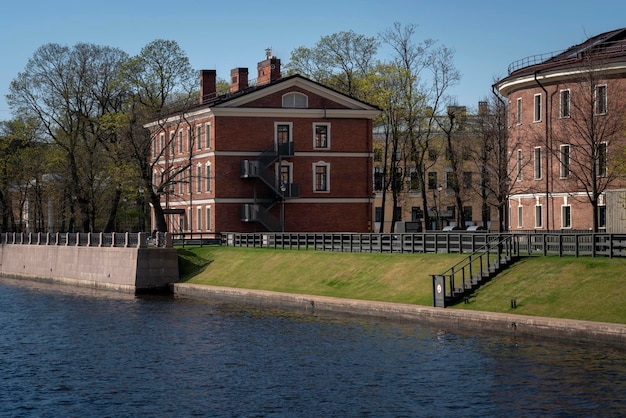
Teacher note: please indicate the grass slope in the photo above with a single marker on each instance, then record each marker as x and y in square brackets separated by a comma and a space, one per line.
[578, 288]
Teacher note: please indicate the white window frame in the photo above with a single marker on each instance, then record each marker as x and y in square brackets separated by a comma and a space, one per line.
[605, 166]
[564, 218]
[199, 178]
[520, 216]
[207, 175]
[538, 216]
[315, 125]
[565, 101]
[564, 161]
[189, 140]
[289, 100]
[537, 100]
[208, 218]
[199, 137]
[520, 161]
[316, 189]
[180, 142]
[537, 164]
[276, 125]
[519, 111]
[601, 103]
[199, 218]
[207, 135]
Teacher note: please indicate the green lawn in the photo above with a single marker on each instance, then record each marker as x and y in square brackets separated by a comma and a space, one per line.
[567, 287]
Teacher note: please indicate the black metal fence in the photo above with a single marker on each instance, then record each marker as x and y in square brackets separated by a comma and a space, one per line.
[561, 244]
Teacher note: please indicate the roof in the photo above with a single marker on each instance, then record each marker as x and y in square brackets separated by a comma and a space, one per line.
[608, 47]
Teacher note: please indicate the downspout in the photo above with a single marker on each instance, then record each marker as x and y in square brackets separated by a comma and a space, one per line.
[548, 146]
[505, 213]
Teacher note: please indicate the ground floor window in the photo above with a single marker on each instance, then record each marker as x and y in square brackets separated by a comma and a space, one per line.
[566, 216]
[538, 217]
[520, 216]
[378, 214]
[602, 216]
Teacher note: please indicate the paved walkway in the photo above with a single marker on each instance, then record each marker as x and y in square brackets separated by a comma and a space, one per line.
[449, 318]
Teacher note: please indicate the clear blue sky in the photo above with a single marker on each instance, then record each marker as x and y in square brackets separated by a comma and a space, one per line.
[486, 35]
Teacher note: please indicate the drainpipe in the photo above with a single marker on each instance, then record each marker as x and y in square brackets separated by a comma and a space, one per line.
[505, 213]
[548, 146]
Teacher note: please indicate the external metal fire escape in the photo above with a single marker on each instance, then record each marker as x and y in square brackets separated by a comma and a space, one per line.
[260, 169]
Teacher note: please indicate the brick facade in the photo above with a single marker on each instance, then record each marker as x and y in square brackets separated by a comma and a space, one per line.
[231, 181]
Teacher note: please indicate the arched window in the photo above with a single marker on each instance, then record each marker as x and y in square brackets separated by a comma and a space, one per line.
[297, 100]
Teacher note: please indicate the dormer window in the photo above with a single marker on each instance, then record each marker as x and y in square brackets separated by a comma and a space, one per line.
[296, 100]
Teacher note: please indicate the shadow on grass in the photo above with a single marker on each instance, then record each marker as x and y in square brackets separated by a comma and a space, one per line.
[190, 264]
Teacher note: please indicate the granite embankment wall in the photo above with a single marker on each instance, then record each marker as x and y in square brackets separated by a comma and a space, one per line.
[448, 318]
[127, 269]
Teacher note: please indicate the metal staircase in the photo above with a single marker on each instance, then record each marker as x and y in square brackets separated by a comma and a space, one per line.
[261, 169]
[460, 280]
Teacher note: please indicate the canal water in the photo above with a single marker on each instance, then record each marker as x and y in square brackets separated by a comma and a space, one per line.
[80, 353]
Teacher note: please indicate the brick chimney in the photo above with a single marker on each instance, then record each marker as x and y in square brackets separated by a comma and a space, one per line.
[238, 79]
[269, 69]
[208, 86]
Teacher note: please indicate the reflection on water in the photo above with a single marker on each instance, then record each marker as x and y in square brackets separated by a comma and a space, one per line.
[78, 352]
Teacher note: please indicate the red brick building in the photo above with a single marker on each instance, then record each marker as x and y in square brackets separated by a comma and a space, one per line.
[273, 154]
[567, 136]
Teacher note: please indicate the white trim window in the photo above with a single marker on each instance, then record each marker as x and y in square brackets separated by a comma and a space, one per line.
[180, 141]
[282, 133]
[321, 135]
[199, 137]
[565, 104]
[321, 177]
[520, 216]
[208, 176]
[207, 135]
[564, 161]
[208, 218]
[602, 160]
[199, 178]
[538, 216]
[519, 111]
[189, 140]
[601, 103]
[566, 217]
[538, 165]
[295, 100]
[199, 218]
[520, 162]
[537, 109]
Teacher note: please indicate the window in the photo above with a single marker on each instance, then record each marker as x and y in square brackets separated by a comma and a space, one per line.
[199, 218]
[283, 133]
[189, 175]
[416, 214]
[414, 183]
[538, 217]
[537, 114]
[180, 177]
[451, 180]
[537, 163]
[519, 165]
[601, 160]
[601, 101]
[207, 135]
[433, 154]
[378, 214]
[602, 216]
[208, 177]
[155, 150]
[397, 213]
[467, 213]
[199, 178]
[320, 176]
[432, 180]
[564, 161]
[564, 104]
[467, 179]
[566, 216]
[397, 154]
[180, 141]
[378, 154]
[321, 132]
[520, 216]
[296, 100]
[199, 137]
[378, 178]
[208, 218]
[519, 111]
[398, 180]
[189, 140]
